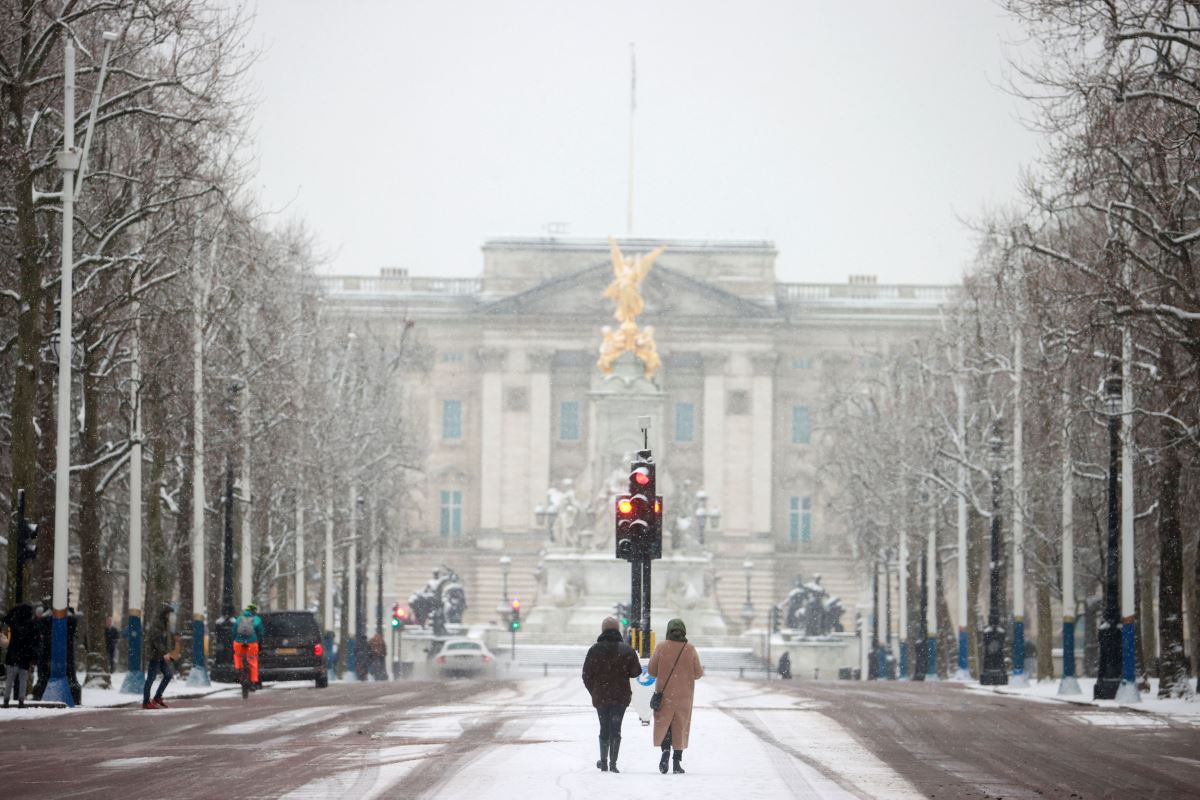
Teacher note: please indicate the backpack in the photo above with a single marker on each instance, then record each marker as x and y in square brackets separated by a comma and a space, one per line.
[245, 628]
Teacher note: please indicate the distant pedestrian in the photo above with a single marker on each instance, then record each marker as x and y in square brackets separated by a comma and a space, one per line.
[111, 637]
[675, 667]
[785, 666]
[378, 650]
[162, 647]
[609, 665]
[22, 651]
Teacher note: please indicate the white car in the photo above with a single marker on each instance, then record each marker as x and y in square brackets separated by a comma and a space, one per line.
[464, 658]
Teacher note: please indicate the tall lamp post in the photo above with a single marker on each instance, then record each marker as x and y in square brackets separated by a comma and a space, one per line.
[1068, 685]
[705, 515]
[993, 672]
[546, 515]
[70, 161]
[1109, 678]
[748, 606]
[135, 678]
[902, 572]
[505, 566]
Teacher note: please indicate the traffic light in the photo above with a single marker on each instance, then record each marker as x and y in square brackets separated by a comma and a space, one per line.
[26, 540]
[399, 616]
[514, 622]
[625, 538]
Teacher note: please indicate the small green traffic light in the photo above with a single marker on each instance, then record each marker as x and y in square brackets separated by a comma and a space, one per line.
[625, 622]
[395, 622]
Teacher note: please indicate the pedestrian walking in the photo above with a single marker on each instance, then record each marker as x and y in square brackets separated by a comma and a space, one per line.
[247, 642]
[609, 665]
[111, 636]
[162, 647]
[22, 651]
[785, 666]
[675, 667]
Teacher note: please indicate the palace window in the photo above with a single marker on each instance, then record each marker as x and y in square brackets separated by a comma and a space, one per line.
[452, 357]
[568, 420]
[801, 425]
[801, 362]
[451, 513]
[685, 422]
[451, 419]
[800, 520]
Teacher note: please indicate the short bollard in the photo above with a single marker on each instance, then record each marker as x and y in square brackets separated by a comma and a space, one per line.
[741, 672]
[545, 670]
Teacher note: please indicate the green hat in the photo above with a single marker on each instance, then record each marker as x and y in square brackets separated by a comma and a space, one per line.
[676, 631]
[252, 607]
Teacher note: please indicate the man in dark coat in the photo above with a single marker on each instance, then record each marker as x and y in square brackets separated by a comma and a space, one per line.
[111, 637]
[22, 651]
[162, 647]
[609, 665]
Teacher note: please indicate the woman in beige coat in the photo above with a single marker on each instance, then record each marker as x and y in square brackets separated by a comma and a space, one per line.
[675, 667]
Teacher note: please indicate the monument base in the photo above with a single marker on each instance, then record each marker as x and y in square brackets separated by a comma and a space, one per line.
[580, 589]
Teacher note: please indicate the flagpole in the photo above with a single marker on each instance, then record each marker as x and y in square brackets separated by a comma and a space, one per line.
[632, 109]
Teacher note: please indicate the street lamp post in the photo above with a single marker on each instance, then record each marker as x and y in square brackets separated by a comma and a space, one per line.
[887, 616]
[993, 672]
[546, 515]
[505, 566]
[1068, 685]
[70, 161]
[902, 572]
[135, 678]
[705, 515]
[748, 606]
[931, 671]
[1109, 678]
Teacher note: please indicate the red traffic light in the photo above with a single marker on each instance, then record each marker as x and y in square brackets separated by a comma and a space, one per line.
[640, 476]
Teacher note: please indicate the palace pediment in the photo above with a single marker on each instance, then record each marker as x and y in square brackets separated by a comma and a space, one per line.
[667, 294]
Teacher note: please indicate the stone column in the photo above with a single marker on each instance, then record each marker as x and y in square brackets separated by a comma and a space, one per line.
[490, 362]
[762, 408]
[541, 422]
[714, 427]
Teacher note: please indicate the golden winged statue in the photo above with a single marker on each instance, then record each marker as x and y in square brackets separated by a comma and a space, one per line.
[628, 274]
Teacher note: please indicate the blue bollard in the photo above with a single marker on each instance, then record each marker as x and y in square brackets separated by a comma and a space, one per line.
[1018, 677]
[58, 690]
[199, 674]
[135, 679]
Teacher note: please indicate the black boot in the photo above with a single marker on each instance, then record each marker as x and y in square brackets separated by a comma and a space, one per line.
[662, 762]
[614, 749]
[602, 764]
[676, 767]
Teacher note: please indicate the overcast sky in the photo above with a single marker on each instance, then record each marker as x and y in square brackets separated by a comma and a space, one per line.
[855, 135]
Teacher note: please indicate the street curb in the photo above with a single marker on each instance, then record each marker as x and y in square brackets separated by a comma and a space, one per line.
[1070, 701]
[188, 696]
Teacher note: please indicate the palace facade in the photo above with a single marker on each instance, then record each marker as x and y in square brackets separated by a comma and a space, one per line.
[510, 406]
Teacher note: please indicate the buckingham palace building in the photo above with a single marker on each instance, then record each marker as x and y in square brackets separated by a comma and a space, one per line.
[527, 416]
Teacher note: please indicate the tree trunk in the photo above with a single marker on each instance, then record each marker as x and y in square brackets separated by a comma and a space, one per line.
[1173, 677]
[24, 447]
[157, 570]
[42, 577]
[947, 640]
[1045, 617]
[95, 589]
[976, 529]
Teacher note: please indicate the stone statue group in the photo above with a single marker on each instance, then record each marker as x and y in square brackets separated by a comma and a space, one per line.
[441, 600]
[811, 610]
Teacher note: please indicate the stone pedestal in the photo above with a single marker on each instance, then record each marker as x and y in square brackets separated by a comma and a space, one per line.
[581, 589]
[812, 657]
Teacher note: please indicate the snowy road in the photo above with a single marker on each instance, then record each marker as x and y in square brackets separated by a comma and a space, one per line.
[537, 739]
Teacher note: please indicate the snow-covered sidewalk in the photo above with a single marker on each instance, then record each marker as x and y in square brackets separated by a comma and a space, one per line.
[1182, 710]
[95, 699]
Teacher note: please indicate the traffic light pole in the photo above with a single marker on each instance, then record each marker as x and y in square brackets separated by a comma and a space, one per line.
[635, 604]
[644, 639]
